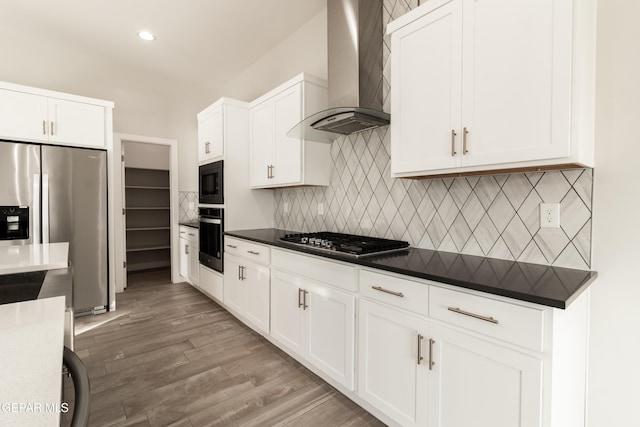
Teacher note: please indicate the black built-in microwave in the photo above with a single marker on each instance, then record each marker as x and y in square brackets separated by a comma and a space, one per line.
[211, 185]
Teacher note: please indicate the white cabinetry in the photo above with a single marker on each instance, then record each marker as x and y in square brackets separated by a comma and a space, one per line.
[476, 382]
[223, 134]
[315, 320]
[34, 117]
[276, 159]
[489, 85]
[464, 359]
[189, 258]
[247, 282]
[211, 132]
[211, 283]
[389, 376]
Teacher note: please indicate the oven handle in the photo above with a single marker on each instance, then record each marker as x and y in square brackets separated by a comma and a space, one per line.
[211, 221]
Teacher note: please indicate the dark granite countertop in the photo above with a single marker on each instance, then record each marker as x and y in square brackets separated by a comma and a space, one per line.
[540, 284]
[194, 224]
[32, 285]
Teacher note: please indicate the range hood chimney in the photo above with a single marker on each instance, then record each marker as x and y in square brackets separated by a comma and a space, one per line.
[354, 29]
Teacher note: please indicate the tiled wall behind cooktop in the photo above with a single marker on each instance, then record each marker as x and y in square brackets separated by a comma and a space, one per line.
[492, 215]
[186, 214]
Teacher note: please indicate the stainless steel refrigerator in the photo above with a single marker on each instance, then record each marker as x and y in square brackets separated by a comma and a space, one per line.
[65, 190]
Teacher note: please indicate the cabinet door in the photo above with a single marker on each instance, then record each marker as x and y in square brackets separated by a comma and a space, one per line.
[389, 375]
[211, 134]
[330, 332]
[480, 384]
[288, 151]
[194, 261]
[76, 123]
[184, 258]
[262, 148]
[23, 116]
[287, 315]
[426, 96]
[256, 297]
[233, 284]
[516, 80]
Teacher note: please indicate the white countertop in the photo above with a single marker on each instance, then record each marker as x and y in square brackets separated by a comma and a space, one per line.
[31, 335]
[23, 258]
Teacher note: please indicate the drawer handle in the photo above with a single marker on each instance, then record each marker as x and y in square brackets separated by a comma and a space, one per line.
[476, 316]
[431, 362]
[387, 291]
[232, 246]
[182, 232]
[254, 252]
[191, 234]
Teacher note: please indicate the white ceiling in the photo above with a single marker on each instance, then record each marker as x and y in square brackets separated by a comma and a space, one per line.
[199, 42]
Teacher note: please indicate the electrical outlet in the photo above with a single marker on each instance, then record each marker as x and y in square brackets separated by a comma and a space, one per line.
[550, 215]
[320, 208]
[286, 207]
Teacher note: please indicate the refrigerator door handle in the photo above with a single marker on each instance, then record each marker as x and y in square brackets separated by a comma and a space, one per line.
[35, 213]
[45, 208]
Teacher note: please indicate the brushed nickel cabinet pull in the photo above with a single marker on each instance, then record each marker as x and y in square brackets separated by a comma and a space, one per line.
[387, 291]
[244, 273]
[299, 298]
[186, 249]
[268, 171]
[453, 143]
[206, 147]
[304, 300]
[420, 338]
[253, 252]
[465, 132]
[44, 127]
[239, 272]
[182, 232]
[51, 130]
[431, 362]
[232, 246]
[475, 316]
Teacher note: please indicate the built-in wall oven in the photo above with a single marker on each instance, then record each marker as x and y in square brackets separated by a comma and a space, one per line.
[211, 238]
[211, 186]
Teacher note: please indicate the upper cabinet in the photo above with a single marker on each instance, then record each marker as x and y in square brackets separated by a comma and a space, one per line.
[276, 159]
[211, 132]
[482, 85]
[28, 114]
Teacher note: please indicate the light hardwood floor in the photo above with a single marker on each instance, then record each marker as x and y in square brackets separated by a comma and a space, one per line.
[170, 356]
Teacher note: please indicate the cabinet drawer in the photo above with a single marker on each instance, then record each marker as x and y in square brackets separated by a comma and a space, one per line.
[520, 325]
[247, 250]
[402, 293]
[189, 233]
[333, 273]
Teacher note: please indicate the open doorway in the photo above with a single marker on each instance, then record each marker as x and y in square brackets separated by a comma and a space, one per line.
[148, 229]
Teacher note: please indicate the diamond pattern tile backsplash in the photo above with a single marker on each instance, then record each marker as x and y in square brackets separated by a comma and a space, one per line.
[492, 215]
[186, 214]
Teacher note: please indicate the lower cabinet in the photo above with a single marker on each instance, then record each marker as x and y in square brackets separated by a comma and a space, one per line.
[211, 283]
[481, 384]
[189, 259]
[391, 376]
[423, 374]
[316, 322]
[246, 291]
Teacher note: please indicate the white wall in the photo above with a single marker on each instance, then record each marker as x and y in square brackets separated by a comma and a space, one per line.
[303, 51]
[146, 156]
[614, 366]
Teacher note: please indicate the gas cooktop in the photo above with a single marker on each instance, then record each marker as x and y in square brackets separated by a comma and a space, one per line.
[348, 244]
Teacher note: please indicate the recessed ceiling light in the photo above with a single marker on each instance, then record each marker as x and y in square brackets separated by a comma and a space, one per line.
[146, 35]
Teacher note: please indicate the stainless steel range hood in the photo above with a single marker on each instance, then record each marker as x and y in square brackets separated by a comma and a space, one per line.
[354, 29]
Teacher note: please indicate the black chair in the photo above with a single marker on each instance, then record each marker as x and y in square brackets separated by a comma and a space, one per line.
[81, 387]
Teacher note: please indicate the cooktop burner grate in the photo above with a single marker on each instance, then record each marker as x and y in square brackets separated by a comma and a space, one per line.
[346, 243]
